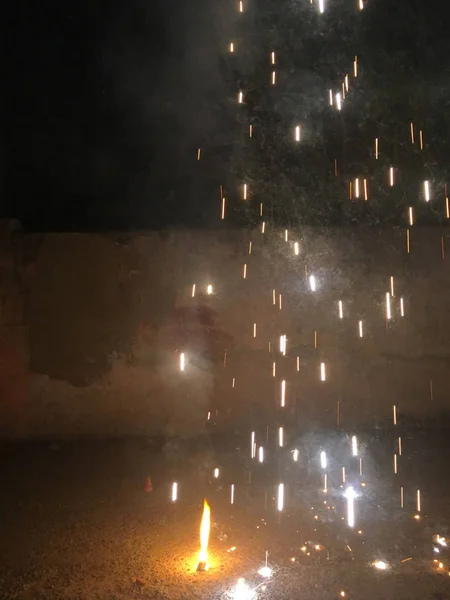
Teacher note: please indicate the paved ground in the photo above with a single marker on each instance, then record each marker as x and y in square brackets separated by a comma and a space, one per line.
[76, 523]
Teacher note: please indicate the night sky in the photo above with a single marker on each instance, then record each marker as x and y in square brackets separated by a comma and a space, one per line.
[110, 101]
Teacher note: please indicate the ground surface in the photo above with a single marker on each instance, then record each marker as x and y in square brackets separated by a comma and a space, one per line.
[76, 522]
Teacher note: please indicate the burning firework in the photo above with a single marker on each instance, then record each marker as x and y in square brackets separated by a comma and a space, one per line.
[205, 527]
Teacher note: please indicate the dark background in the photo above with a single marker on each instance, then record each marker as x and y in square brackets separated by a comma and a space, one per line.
[110, 101]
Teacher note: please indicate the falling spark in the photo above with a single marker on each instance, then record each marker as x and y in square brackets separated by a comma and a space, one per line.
[297, 133]
[411, 217]
[366, 192]
[242, 591]
[182, 361]
[233, 384]
[241, 6]
[380, 565]
[447, 208]
[395, 464]
[252, 445]
[283, 393]
[274, 369]
[216, 473]
[360, 466]
[402, 307]
[400, 446]
[323, 459]
[388, 306]
[232, 494]
[295, 455]
[286, 235]
[338, 101]
[254, 330]
[250, 247]
[283, 344]
[273, 77]
[296, 249]
[376, 149]
[346, 82]
[341, 309]
[350, 495]
[355, 66]
[244, 272]
[330, 92]
[402, 497]
[360, 327]
[321, 6]
[174, 491]
[325, 483]
[312, 283]
[392, 286]
[209, 289]
[343, 475]
[391, 176]
[223, 209]
[272, 57]
[280, 500]
[322, 371]
[418, 501]
[354, 446]
[250, 131]
[357, 187]
[426, 190]
[245, 191]
[274, 297]
[261, 454]
[240, 97]
[394, 412]
[231, 47]
[361, 4]
[198, 153]
[411, 126]
[421, 139]
[408, 241]
[298, 363]
[280, 437]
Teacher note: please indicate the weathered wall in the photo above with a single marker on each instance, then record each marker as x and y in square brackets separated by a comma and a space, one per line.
[92, 327]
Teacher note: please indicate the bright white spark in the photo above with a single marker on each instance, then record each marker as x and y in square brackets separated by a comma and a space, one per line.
[265, 572]
[338, 101]
[280, 437]
[242, 591]
[261, 454]
[312, 283]
[283, 393]
[216, 473]
[402, 307]
[280, 499]
[323, 459]
[341, 309]
[426, 190]
[350, 495]
[296, 249]
[322, 371]
[232, 494]
[321, 6]
[182, 361]
[174, 491]
[297, 133]
[209, 290]
[252, 445]
[380, 565]
[295, 455]
[354, 446]
[388, 306]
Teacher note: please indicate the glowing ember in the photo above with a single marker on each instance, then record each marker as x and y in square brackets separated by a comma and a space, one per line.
[205, 528]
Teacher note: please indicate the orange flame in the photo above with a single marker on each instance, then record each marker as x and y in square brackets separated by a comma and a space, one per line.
[205, 527]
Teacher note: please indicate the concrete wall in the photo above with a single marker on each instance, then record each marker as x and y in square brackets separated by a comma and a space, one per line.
[92, 326]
